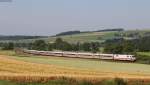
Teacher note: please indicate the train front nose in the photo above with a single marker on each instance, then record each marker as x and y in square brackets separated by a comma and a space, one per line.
[133, 59]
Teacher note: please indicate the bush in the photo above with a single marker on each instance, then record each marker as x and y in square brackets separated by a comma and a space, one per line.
[39, 45]
[119, 81]
[70, 81]
[144, 59]
[107, 82]
[8, 46]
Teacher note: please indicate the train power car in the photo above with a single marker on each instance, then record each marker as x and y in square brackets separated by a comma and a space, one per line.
[124, 57]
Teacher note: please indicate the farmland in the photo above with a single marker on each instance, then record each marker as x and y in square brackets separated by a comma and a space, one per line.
[88, 37]
[33, 68]
[74, 42]
[82, 37]
[13, 65]
[15, 69]
[49, 70]
[101, 36]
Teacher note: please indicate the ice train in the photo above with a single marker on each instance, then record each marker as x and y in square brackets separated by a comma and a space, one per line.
[121, 57]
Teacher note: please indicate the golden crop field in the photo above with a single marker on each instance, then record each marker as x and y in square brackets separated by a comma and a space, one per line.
[35, 68]
[15, 70]
[11, 69]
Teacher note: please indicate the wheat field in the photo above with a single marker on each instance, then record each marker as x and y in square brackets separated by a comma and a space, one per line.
[19, 70]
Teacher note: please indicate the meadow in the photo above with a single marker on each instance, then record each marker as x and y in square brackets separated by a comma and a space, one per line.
[86, 37]
[82, 37]
[144, 53]
[101, 36]
[143, 57]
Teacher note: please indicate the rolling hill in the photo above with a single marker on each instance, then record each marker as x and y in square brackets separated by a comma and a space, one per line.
[74, 38]
[93, 36]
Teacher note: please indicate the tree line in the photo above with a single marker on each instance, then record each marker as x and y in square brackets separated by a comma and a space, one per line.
[115, 46]
[127, 46]
[59, 44]
[78, 32]
[20, 37]
[68, 33]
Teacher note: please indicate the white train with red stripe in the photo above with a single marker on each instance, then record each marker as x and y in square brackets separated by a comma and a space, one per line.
[121, 57]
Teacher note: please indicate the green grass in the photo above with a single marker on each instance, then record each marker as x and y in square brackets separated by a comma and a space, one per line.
[143, 57]
[87, 64]
[141, 33]
[82, 37]
[144, 53]
[86, 37]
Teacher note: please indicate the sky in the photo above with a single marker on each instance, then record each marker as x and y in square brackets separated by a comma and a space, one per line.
[48, 17]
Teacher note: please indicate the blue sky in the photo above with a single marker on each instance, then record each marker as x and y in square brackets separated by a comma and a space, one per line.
[48, 17]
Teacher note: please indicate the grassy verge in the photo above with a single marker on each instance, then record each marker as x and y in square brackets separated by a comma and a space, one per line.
[143, 57]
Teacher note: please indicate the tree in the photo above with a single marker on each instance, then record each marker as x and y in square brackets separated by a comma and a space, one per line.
[66, 46]
[68, 33]
[8, 46]
[58, 44]
[128, 47]
[39, 45]
[144, 44]
[58, 40]
[113, 48]
[76, 47]
[118, 49]
[86, 47]
[50, 47]
[94, 47]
